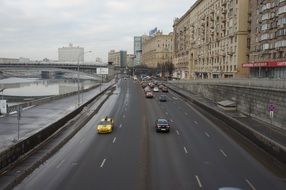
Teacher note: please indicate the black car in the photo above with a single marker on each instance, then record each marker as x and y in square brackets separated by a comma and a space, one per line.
[162, 125]
[163, 98]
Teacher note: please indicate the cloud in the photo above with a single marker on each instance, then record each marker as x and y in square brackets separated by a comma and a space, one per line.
[35, 29]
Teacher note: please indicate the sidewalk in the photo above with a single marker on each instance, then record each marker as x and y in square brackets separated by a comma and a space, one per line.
[272, 132]
[34, 119]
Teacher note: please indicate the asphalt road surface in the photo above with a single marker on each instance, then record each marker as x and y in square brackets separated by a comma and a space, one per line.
[194, 155]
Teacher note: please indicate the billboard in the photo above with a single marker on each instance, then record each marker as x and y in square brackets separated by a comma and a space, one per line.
[102, 71]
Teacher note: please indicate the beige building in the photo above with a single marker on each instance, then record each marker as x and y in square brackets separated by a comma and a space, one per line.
[210, 40]
[267, 55]
[130, 60]
[118, 58]
[157, 50]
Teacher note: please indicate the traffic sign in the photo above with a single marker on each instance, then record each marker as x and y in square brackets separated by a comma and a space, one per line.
[271, 107]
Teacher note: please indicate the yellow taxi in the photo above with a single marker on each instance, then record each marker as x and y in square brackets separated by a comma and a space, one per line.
[105, 125]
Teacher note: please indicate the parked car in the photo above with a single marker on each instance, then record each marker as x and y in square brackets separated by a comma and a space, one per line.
[162, 125]
[155, 89]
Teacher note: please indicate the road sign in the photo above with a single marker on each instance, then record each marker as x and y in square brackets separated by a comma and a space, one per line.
[102, 71]
[271, 107]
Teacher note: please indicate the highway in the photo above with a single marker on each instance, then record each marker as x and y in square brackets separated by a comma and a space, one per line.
[194, 155]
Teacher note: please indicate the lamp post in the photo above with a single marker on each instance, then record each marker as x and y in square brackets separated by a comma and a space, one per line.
[78, 97]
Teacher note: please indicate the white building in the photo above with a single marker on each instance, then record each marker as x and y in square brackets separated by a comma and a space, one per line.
[71, 54]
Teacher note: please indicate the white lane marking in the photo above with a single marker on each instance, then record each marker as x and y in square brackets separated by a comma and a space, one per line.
[178, 133]
[172, 121]
[250, 184]
[223, 153]
[196, 122]
[103, 162]
[186, 113]
[114, 140]
[28, 107]
[81, 141]
[199, 181]
[207, 134]
[59, 165]
[120, 125]
[175, 98]
[185, 149]
[124, 116]
[166, 113]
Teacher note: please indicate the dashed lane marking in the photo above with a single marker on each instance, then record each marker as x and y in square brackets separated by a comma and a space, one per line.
[178, 133]
[185, 149]
[250, 184]
[207, 134]
[102, 163]
[223, 153]
[59, 165]
[199, 181]
[196, 122]
[120, 125]
[114, 140]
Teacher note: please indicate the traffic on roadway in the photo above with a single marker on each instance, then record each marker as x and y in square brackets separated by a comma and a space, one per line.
[147, 137]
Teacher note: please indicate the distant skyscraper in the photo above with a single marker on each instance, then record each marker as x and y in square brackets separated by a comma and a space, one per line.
[137, 50]
[71, 54]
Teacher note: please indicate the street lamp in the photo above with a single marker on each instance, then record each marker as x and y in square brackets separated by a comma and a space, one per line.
[78, 97]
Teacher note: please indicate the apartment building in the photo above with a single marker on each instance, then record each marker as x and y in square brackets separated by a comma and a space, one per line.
[157, 49]
[267, 55]
[210, 40]
[117, 58]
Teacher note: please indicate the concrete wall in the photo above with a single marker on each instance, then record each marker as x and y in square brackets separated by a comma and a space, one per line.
[251, 101]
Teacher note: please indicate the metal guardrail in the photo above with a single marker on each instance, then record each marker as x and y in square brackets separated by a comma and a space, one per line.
[45, 100]
[254, 82]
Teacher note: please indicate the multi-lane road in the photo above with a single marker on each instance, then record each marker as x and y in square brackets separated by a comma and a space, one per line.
[196, 154]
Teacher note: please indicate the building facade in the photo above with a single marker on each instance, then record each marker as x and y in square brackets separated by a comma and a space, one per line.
[137, 50]
[267, 55]
[157, 50]
[71, 54]
[210, 40]
[118, 59]
[130, 60]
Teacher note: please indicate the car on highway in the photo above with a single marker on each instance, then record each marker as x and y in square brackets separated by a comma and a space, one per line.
[162, 125]
[164, 89]
[149, 95]
[155, 89]
[163, 98]
[105, 125]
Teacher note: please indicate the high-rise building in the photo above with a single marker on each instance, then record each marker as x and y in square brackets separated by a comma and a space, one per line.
[267, 54]
[71, 54]
[210, 40]
[137, 50]
[130, 60]
[157, 50]
[118, 59]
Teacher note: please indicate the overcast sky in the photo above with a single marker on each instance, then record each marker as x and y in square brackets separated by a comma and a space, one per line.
[37, 28]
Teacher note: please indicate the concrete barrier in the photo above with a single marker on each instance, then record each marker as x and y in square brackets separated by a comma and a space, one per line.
[276, 150]
[21, 149]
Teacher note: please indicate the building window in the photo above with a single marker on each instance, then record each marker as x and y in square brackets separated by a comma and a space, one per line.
[281, 21]
[265, 37]
[282, 10]
[265, 27]
[265, 46]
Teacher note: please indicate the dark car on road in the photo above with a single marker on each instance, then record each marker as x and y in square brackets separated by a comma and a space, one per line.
[164, 89]
[162, 125]
[163, 98]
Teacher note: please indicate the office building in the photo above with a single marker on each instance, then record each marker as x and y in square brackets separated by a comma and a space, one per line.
[71, 54]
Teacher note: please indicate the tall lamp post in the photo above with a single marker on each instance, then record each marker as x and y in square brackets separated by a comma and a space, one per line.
[78, 96]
